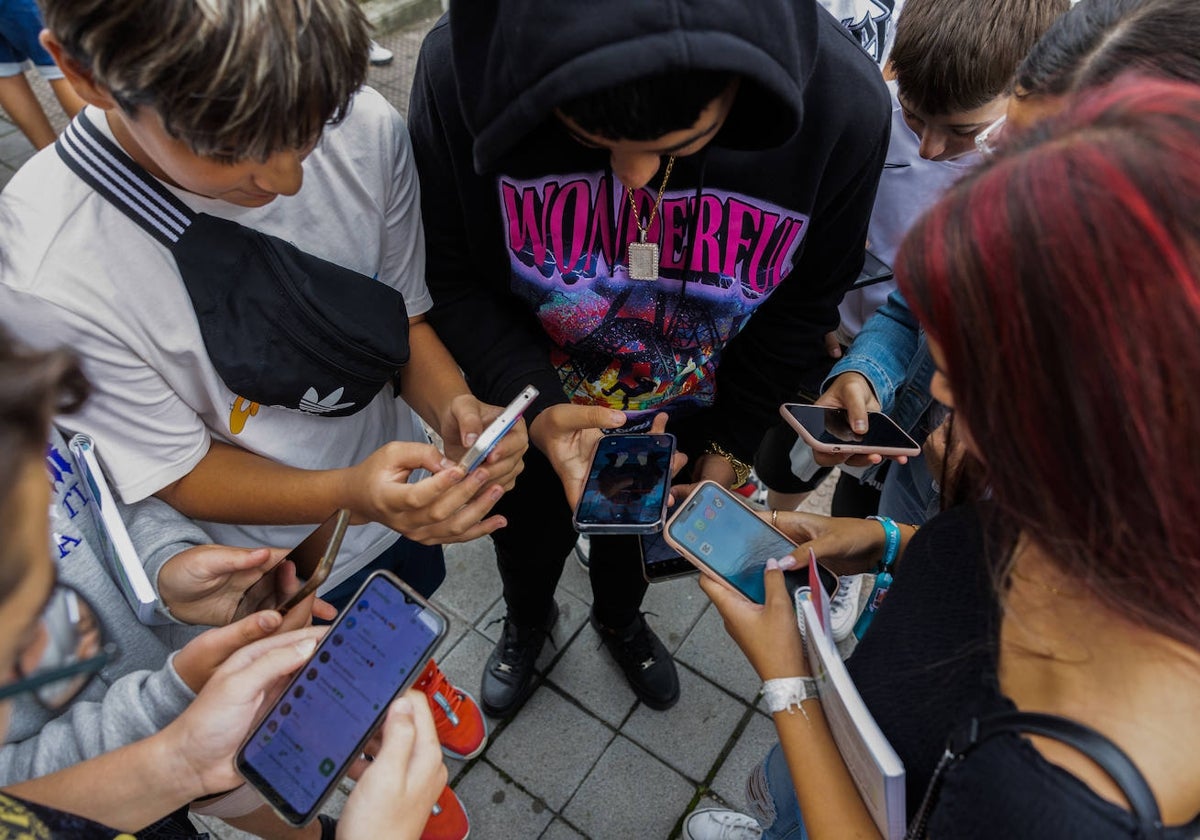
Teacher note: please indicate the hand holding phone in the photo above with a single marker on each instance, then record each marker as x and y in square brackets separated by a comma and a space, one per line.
[626, 487]
[312, 560]
[827, 429]
[497, 429]
[729, 542]
[376, 649]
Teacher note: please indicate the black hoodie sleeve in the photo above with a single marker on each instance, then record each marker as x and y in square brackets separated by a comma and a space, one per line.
[491, 334]
[782, 347]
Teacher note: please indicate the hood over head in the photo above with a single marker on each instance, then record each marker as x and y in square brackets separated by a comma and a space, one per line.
[516, 60]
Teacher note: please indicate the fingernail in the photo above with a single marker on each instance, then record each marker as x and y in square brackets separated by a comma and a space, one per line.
[772, 564]
[306, 647]
[269, 620]
[470, 439]
[860, 426]
[402, 705]
[496, 493]
[788, 562]
[617, 418]
[446, 464]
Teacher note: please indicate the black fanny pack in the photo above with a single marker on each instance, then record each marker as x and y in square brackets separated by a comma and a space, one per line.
[282, 327]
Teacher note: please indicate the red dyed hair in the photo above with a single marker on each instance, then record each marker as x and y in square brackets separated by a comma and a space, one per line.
[1062, 282]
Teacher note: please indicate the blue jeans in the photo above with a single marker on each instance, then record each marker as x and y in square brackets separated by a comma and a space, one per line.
[423, 567]
[772, 799]
[909, 494]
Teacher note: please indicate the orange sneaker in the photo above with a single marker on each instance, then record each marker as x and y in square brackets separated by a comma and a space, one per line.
[461, 728]
[449, 819]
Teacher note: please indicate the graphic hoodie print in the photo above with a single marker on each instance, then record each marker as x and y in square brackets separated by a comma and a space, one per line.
[760, 233]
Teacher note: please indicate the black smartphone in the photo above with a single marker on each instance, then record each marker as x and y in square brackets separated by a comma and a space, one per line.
[874, 271]
[376, 649]
[717, 531]
[627, 486]
[827, 429]
[313, 558]
[660, 561]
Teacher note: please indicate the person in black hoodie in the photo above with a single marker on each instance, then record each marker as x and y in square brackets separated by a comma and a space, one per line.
[556, 140]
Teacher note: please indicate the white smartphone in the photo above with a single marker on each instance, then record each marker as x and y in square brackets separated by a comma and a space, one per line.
[827, 429]
[376, 649]
[497, 429]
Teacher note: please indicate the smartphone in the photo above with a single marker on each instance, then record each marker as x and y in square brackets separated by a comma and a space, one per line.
[827, 429]
[874, 271]
[626, 488]
[497, 429]
[725, 538]
[313, 559]
[376, 649]
[660, 561]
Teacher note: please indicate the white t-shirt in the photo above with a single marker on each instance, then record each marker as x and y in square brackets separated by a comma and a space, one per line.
[75, 271]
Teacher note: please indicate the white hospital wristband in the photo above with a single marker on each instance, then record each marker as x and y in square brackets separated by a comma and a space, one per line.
[783, 694]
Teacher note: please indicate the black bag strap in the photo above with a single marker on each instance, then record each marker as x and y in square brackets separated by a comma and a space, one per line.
[1107, 755]
[107, 169]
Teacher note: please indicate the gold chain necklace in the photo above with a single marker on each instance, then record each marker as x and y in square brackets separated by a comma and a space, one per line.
[643, 255]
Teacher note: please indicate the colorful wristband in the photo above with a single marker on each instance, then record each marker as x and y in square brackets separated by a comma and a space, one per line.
[891, 544]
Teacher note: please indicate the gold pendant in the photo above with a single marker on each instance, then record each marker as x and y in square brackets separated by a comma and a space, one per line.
[643, 260]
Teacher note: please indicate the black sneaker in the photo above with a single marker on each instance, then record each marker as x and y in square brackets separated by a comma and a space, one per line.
[643, 657]
[508, 675]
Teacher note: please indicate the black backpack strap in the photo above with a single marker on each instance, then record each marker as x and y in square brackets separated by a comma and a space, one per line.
[116, 176]
[1110, 758]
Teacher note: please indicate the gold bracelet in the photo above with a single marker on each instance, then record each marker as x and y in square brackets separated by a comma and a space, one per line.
[741, 470]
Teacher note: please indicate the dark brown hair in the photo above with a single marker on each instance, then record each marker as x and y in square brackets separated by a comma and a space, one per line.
[232, 79]
[34, 386]
[958, 55]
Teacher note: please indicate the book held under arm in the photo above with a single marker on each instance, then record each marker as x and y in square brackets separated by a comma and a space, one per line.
[874, 766]
[116, 548]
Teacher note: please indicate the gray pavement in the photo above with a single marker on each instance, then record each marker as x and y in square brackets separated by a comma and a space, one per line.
[583, 758]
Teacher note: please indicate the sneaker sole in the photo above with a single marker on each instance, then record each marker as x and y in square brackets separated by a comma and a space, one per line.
[449, 753]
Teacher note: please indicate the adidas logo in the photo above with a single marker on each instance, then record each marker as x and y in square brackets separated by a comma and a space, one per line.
[313, 404]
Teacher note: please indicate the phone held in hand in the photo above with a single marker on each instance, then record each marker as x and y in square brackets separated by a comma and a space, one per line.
[497, 429]
[313, 559]
[727, 540]
[627, 486]
[660, 561]
[827, 429]
[376, 649]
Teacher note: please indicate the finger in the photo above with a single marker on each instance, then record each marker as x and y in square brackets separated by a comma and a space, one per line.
[659, 426]
[298, 616]
[425, 491]
[678, 462]
[776, 590]
[468, 517]
[463, 495]
[467, 413]
[196, 662]
[249, 681]
[324, 610]
[576, 418]
[854, 400]
[679, 492]
[243, 657]
[833, 347]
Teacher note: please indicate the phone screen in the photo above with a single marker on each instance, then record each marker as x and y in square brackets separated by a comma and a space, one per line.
[660, 560]
[734, 542]
[831, 426]
[628, 481]
[378, 645]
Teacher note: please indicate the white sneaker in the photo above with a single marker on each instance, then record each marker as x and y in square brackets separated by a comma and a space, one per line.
[380, 55]
[720, 824]
[843, 609]
[582, 551]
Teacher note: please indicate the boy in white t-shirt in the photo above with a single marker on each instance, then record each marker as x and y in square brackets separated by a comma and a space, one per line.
[253, 113]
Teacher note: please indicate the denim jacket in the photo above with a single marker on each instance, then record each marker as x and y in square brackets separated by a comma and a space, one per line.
[891, 352]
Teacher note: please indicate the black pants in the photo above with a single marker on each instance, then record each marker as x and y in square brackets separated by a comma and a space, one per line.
[532, 548]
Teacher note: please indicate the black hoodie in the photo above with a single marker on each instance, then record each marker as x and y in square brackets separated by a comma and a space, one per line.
[526, 235]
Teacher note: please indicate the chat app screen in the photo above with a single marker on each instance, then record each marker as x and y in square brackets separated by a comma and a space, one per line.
[312, 732]
[730, 540]
[627, 483]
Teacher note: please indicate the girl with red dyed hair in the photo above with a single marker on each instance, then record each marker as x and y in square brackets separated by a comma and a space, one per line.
[1060, 289]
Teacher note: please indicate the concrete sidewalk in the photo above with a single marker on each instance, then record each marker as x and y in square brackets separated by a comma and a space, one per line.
[583, 758]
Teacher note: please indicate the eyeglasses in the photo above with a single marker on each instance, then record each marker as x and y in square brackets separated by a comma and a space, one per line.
[988, 140]
[66, 649]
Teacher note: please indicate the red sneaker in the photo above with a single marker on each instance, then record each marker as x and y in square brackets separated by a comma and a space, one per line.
[449, 819]
[460, 725]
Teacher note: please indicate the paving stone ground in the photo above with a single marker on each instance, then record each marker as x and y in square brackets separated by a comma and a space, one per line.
[583, 758]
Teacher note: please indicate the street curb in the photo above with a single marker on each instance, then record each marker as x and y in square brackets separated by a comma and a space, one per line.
[389, 15]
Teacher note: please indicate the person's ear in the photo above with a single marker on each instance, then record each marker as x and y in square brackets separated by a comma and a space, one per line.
[79, 77]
